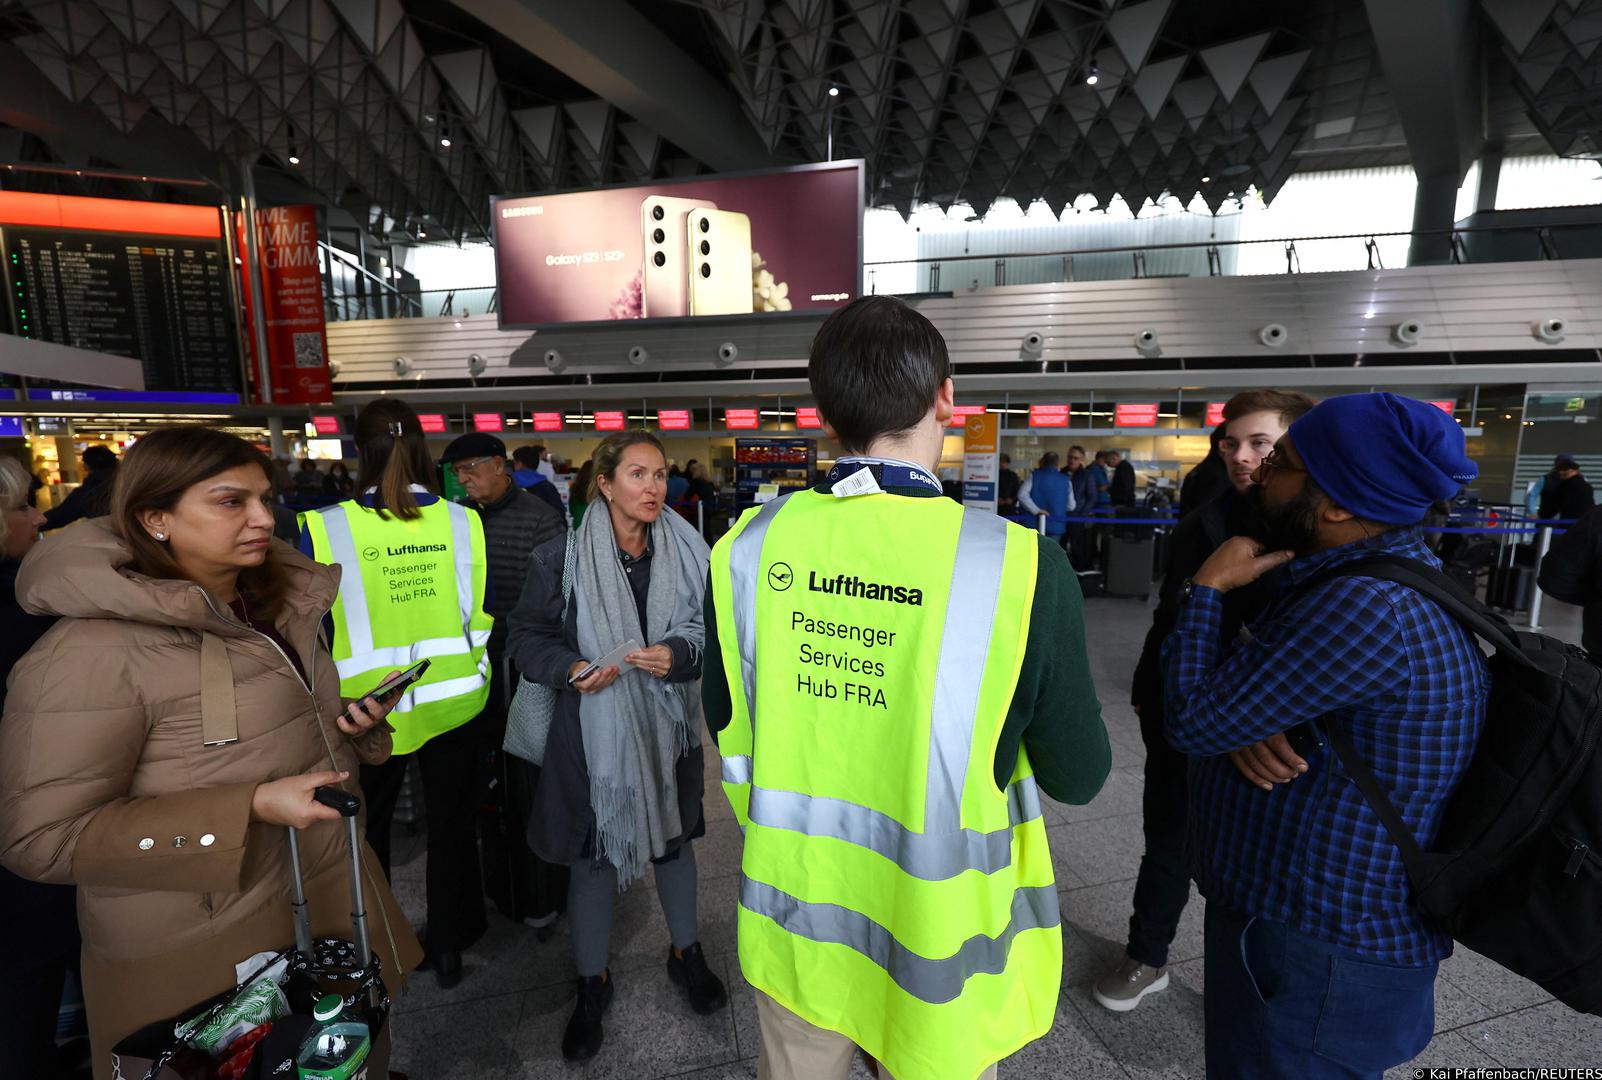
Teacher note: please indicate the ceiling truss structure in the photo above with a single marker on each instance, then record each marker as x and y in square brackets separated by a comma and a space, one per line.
[1552, 47]
[948, 100]
[1030, 99]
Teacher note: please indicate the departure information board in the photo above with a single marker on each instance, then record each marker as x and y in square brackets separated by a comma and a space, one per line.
[163, 300]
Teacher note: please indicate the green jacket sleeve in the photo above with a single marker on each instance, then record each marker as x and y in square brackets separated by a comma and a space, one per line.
[1055, 713]
[715, 699]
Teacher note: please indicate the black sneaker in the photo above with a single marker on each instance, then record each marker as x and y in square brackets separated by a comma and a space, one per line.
[703, 989]
[582, 1039]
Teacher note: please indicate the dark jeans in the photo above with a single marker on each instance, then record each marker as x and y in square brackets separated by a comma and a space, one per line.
[449, 764]
[1279, 1003]
[1163, 886]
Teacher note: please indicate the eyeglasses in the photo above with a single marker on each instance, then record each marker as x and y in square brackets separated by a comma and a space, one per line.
[1276, 459]
[462, 468]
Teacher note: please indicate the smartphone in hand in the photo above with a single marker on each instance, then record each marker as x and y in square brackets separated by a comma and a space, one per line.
[397, 684]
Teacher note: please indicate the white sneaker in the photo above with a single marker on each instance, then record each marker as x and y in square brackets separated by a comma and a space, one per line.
[1122, 988]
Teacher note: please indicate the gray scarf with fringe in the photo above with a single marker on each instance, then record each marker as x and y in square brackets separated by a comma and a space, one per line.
[636, 730]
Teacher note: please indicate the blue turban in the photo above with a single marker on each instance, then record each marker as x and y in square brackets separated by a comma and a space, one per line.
[1382, 457]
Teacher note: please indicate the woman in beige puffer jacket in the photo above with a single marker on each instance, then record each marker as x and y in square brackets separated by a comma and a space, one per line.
[110, 779]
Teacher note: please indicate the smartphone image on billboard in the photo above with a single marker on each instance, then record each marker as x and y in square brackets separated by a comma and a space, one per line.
[665, 284]
[720, 262]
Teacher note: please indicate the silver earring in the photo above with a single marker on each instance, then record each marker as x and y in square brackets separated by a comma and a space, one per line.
[161, 536]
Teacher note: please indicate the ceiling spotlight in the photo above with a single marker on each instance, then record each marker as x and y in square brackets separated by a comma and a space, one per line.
[834, 91]
[1207, 179]
[445, 141]
[422, 233]
[1094, 76]
[294, 158]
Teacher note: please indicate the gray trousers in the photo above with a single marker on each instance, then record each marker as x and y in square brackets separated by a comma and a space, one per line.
[590, 893]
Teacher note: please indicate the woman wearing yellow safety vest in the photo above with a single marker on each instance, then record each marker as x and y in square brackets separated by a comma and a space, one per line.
[622, 779]
[413, 588]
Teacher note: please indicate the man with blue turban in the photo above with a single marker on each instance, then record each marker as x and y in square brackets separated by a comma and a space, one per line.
[1318, 963]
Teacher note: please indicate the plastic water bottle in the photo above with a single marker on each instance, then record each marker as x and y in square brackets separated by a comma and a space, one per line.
[336, 1047]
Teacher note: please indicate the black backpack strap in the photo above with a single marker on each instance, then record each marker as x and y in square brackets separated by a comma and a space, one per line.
[1424, 578]
[1379, 801]
[1470, 613]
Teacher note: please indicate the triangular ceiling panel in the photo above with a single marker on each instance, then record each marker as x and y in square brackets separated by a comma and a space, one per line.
[1156, 82]
[1230, 63]
[1519, 20]
[1134, 29]
[1272, 79]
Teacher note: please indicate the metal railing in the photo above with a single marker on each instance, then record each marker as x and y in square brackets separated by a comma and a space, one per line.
[1211, 258]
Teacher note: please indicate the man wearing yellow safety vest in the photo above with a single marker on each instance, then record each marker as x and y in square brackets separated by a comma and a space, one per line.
[900, 680]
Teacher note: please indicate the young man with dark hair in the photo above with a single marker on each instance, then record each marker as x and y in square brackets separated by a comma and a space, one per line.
[897, 891]
[1318, 962]
[527, 474]
[1253, 422]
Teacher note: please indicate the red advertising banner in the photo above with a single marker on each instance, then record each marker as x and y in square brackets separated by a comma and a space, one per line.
[742, 419]
[547, 421]
[1447, 407]
[325, 425]
[673, 419]
[292, 293]
[1215, 413]
[758, 244]
[807, 418]
[488, 421]
[1135, 415]
[610, 421]
[433, 423]
[1048, 415]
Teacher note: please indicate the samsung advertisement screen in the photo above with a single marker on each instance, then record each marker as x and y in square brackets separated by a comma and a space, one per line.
[761, 244]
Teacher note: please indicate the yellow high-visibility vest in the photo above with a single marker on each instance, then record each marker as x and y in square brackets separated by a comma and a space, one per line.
[409, 590]
[889, 891]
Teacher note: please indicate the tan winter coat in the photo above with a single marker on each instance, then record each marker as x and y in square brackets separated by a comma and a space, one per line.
[106, 781]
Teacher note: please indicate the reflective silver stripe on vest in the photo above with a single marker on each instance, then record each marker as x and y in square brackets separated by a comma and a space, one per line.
[964, 647]
[931, 980]
[745, 567]
[930, 856]
[342, 549]
[462, 551]
[404, 656]
[737, 769]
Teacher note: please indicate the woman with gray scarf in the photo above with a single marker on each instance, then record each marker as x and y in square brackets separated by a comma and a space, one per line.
[623, 776]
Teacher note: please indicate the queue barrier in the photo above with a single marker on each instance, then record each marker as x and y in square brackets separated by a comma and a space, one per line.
[1496, 524]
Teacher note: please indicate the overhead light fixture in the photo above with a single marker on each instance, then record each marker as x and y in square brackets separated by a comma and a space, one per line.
[1094, 76]
[422, 233]
[1207, 179]
[444, 135]
[834, 91]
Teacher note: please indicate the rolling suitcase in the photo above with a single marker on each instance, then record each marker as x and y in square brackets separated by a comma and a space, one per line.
[314, 967]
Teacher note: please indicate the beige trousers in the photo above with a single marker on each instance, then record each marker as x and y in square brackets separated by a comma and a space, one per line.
[793, 1049]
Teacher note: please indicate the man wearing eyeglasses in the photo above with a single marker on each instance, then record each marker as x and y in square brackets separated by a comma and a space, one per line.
[515, 523]
[1318, 962]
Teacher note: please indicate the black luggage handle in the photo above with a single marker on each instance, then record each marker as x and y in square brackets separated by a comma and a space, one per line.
[346, 803]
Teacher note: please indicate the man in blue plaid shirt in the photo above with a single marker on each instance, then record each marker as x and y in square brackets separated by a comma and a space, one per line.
[1318, 964]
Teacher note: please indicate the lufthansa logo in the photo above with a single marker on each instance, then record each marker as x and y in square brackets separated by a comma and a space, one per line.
[370, 554]
[780, 577]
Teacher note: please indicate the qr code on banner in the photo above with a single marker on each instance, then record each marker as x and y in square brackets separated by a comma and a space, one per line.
[309, 350]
